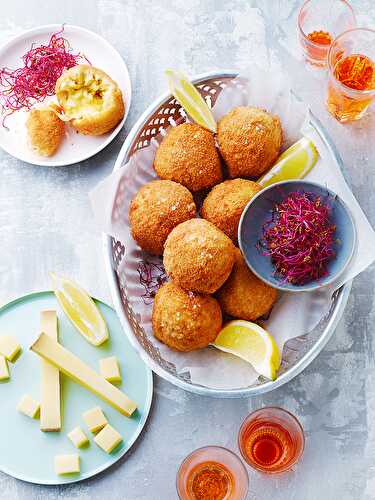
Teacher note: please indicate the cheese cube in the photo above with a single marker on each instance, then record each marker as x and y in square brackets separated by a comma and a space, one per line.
[4, 370]
[28, 406]
[9, 347]
[108, 438]
[67, 464]
[78, 437]
[95, 419]
[109, 369]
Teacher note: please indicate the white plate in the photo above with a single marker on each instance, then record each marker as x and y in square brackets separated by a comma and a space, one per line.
[75, 147]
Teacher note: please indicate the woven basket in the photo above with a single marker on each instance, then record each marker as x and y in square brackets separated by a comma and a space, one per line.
[298, 352]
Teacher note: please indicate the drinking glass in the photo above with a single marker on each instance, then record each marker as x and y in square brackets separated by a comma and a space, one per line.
[271, 440]
[319, 23]
[351, 81]
[213, 471]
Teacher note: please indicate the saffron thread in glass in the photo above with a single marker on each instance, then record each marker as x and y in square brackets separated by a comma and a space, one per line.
[320, 37]
[356, 72]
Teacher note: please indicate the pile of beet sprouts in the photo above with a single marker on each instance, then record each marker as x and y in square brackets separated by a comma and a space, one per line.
[300, 238]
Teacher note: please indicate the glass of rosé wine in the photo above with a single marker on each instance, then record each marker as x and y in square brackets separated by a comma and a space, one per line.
[271, 440]
[212, 472]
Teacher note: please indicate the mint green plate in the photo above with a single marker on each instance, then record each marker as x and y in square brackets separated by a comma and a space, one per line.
[26, 453]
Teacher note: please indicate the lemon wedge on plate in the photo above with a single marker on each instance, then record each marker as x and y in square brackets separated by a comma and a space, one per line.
[190, 99]
[294, 163]
[253, 344]
[80, 309]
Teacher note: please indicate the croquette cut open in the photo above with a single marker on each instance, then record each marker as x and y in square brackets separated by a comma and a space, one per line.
[45, 131]
[91, 100]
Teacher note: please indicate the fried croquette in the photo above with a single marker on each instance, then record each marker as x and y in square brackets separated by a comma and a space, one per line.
[185, 320]
[225, 203]
[244, 295]
[188, 155]
[157, 208]
[198, 256]
[45, 131]
[91, 100]
[249, 141]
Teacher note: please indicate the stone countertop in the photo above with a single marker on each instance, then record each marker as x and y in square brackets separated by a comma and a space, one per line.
[46, 223]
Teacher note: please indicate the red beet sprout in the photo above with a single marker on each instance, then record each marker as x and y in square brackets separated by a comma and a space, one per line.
[42, 66]
[151, 277]
[299, 238]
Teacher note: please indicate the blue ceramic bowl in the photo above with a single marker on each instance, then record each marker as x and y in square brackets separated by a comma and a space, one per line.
[259, 210]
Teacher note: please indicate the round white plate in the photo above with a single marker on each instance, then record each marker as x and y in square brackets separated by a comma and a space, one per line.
[27, 453]
[75, 147]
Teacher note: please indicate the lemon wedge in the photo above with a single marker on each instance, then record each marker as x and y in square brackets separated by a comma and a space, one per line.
[294, 163]
[253, 344]
[190, 99]
[80, 309]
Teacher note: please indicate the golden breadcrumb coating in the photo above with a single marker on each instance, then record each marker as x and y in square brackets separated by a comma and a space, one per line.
[244, 295]
[188, 155]
[156, 209]
[198, 256]
[225, 203]
[249, 141]
[185, 320]
[45, 131]
[91, 100]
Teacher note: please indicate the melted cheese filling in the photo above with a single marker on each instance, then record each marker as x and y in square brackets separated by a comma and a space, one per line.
[85, 94]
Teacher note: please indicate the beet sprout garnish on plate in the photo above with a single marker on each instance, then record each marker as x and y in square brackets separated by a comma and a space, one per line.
[151, 276]
[299, 238]
[42, 65]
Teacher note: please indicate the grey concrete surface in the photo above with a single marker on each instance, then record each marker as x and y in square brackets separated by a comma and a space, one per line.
[46, 223]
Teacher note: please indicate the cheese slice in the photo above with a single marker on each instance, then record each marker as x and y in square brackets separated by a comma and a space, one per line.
[95, 419]
[67, 464]
[4, 370]
[110, 369]
[28, 406]
[81, 373]
[50, 406]
[9, 347]
[78, 437]
[108, 439]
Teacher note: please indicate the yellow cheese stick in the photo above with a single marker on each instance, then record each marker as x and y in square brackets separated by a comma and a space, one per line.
[80, 372]
[50, 407]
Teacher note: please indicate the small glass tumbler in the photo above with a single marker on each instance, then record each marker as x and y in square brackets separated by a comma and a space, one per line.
[271, 440]
[351, 81]
[319, 23]
[212, 472]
